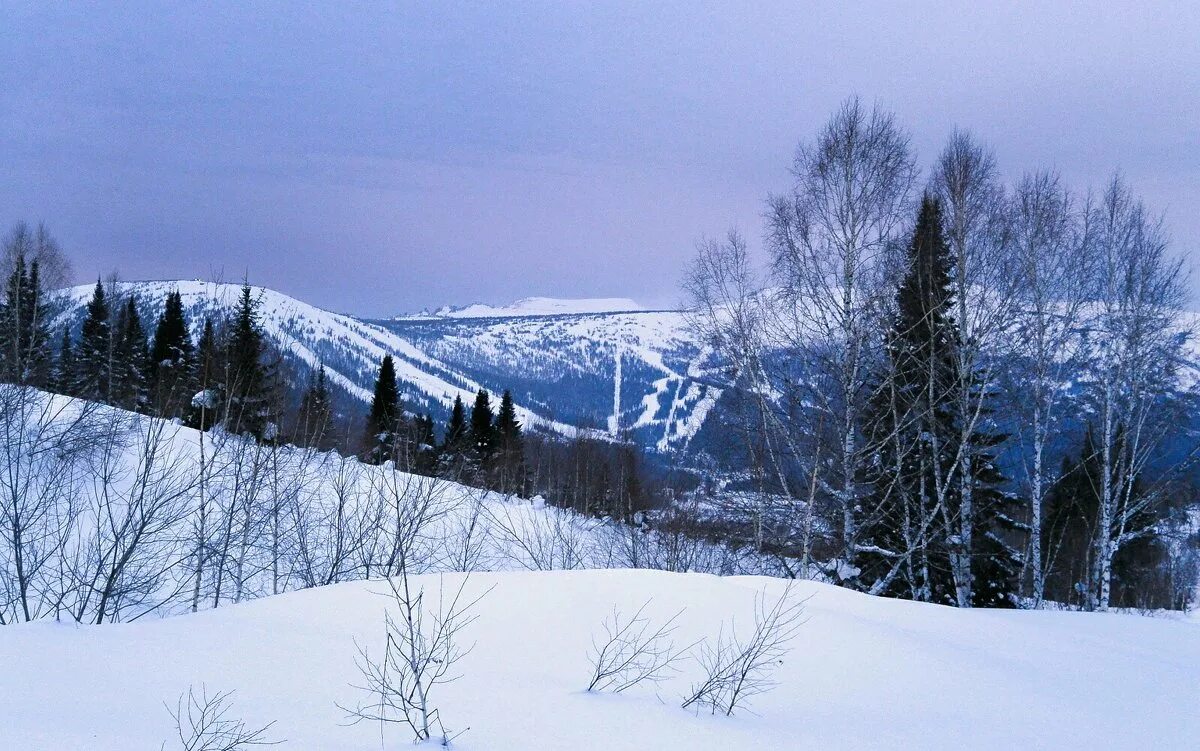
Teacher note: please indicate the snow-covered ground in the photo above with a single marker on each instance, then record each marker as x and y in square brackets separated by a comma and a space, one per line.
[863, 673]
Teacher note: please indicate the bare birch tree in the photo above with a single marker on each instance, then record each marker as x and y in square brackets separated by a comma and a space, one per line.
[830, 239]
[44, 444]
[975, 223]
[1052, 254]
[1136, 337]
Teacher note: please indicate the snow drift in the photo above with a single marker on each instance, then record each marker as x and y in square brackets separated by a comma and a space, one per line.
[864, 672]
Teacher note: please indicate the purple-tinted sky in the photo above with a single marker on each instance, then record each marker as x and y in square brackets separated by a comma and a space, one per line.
[385, 157]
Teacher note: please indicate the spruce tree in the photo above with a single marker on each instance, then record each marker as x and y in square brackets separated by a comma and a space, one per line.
[455, 441]
[37, 316]
[483, 429]
[313, 421]
[130, 362]
[910, 533]
[425, 446]
[24, 341]
[172, 355]
[456, 428]
[482, 440]
[248, 387]
[64, 377]
[204, 407]
[383, 421]
[510, 453]
[94, 355]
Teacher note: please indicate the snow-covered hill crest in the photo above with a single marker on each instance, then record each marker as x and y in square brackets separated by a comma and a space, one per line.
[932, 677]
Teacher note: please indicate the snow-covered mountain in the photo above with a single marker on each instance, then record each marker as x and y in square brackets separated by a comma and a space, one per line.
[603, 365]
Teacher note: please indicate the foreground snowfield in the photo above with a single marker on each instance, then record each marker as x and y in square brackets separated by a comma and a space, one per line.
[864, 673]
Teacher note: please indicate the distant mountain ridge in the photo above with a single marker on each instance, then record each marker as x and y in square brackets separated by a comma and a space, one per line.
[541, 306]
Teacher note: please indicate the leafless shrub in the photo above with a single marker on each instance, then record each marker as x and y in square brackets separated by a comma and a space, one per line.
[468, 539]
[547, 540]
[140, 483]
[44, 444]
[420, 651]
[735, 669]
[203, 724]
[633, 651]
[416, 505]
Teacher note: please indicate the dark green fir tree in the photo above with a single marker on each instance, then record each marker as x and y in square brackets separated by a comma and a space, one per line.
[383, 421]
[912, 536]
[93, 357]
[249, 387]
[315, 416]
[172, 360]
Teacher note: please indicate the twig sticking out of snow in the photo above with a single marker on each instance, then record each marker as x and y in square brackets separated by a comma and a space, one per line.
[203, 724]
[736, 670]
[420, 650]
[633, 651]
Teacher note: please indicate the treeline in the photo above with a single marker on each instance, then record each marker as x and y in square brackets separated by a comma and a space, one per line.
[223, 374]
[955, 391]
[488, 447]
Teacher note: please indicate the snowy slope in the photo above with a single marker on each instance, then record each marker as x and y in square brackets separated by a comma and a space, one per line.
[865, 673]
[639, 374]
[349, 348]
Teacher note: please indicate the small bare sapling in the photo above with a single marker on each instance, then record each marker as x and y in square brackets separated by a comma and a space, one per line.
[420, 651]
[203, 724]
[738, 669]
[632, 651]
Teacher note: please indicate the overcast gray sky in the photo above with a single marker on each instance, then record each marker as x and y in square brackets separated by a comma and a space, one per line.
[386, 157]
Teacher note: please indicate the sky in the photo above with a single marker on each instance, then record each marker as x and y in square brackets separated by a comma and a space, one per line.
[385, 157]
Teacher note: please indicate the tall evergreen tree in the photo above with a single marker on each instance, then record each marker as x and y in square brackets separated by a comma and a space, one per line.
[314, 419]
[94, 356]
[456, 428]
[483, 429]
[456, 442]
[131, 360]
[172, 355]
[425, 446]
[482, 440]
[24, 340]
[911, 542]
[64, 378]
[509, 474]
[383, 421]
[249, 387]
